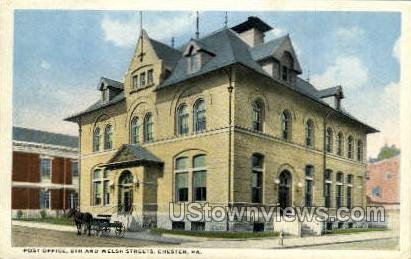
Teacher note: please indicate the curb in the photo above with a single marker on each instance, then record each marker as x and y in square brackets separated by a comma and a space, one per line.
[332, 243]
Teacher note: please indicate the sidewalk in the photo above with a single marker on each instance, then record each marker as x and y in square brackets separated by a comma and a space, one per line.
[262, 243]
[294, 242]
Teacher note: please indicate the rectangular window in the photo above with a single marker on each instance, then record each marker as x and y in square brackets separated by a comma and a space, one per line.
[97, 193]
[106, 193]
[74, 168]
[199, 186]
[338, 196]
[178, 225]
[105, 94]
[308, 192]
[143, 79]
[197, 226]
[97, 188]
[256, 190]
[45, 168]
[327, 195]
[44, 199]
[349, 201]
[182, 187]
[73, 200]
[150, 77]
[135, 81]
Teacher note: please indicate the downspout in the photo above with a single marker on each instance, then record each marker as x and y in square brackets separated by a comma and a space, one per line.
[79, 165]
[325, 118]
[230, 122]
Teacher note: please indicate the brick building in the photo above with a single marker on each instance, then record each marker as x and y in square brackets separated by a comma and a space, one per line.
[383, 188]
[224, 119]
[45, 172]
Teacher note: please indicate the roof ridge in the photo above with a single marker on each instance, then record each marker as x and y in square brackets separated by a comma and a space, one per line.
[164, 44]
[44, 131]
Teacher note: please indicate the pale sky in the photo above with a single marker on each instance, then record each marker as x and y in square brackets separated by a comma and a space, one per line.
[59, 57]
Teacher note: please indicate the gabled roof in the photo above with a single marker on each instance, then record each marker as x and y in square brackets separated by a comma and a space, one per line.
[229, 49]
[169, 54]
[132, 154]
[110, 83]
[275, 49]
[267, 49]
[44, 137]
[252, 22]
[98, 105]
[336, 90]
[200, 46]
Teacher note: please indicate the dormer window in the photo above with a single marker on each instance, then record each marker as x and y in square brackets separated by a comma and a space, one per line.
[197, 55]
[105, 94]
[135, 81]
[194, 63]
[143, 79]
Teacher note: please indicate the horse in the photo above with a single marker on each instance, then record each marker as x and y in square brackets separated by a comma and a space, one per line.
[81, 218]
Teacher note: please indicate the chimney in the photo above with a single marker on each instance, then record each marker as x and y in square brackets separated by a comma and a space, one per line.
[252, 31]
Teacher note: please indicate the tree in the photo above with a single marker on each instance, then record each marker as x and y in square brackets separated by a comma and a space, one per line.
[387, 152]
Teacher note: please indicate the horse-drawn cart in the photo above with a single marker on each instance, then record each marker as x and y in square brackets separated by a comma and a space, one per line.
[102, 226]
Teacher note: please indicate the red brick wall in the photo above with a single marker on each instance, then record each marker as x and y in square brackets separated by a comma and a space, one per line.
[57, 196]
[25, 198]
[390, 188]
[61, 168]
[26, 167]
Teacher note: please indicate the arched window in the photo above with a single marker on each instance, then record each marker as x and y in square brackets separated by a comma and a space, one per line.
[309, 176]
[148, 127]
[338, 189]
[181, 179]
[309, 133]
[199, 114]
[96, 139]
[359, 150]
[286, 125]
[329, 140]
[97, 187]
[108, 137]
[350, 147]
[199, 178]
[349, 191]
[328, 177]
[340, 141]
[256, 178]
[258, 111]
[134, 130]
[182, 120]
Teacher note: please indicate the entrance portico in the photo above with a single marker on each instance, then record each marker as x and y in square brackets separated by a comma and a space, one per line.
[133, 175]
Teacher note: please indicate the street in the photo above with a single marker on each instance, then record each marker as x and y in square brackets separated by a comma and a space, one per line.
[386, 244]
[36, 237]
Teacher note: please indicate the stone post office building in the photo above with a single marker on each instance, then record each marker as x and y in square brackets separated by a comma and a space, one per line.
[224, 119]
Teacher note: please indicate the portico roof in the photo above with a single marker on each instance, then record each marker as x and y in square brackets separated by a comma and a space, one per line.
[129, 155]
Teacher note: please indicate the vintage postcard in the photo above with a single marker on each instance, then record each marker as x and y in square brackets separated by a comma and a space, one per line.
[153, 130]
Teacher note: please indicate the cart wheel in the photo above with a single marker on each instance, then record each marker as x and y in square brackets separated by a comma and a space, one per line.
[120, 230]
[105, 231]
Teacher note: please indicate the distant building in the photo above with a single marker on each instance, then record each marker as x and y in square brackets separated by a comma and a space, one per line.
[45, 172]
[383, 188]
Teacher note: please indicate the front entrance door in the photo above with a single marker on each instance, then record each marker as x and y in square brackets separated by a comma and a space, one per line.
[284, 190]
[125, 201]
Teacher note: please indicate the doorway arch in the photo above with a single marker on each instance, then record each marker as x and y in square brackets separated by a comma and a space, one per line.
[125, 194]
[285, 189]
